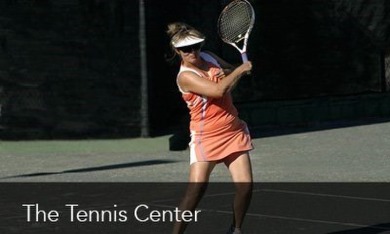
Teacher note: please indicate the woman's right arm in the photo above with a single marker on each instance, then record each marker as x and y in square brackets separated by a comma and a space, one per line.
[191, 82]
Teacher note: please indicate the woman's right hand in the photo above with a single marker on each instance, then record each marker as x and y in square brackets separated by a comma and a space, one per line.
[246, 67]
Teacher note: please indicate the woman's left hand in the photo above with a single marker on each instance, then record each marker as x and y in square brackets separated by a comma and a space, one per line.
[220, 74]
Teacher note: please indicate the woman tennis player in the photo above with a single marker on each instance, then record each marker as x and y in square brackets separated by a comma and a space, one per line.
[217, 134]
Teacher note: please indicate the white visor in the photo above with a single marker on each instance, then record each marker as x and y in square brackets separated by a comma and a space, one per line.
[190, 40]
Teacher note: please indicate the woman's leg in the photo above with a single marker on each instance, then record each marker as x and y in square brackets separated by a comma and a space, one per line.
[199, 177]
[241, 170]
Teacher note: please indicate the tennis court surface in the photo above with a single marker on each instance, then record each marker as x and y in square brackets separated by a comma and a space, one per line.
[327, 179]
[149, 208]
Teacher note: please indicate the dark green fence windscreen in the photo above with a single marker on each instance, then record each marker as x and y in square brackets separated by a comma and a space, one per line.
[72, 68]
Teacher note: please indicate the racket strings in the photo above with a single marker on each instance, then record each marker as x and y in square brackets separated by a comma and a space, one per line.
[235, 22]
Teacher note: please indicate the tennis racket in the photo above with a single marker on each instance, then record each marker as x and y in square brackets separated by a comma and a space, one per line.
[235, 24]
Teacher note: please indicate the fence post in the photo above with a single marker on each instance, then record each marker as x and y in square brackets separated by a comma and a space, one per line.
[144, 110]
[385, 70]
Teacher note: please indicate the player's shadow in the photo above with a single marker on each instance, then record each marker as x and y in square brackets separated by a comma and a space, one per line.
[374, 229]
[92, 169]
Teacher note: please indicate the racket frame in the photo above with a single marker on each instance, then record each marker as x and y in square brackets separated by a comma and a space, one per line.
[242, 50]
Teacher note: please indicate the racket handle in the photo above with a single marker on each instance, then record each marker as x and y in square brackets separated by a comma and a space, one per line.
[244, 57]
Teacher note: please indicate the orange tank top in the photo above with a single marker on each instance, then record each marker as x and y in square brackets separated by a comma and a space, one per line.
[209, 114]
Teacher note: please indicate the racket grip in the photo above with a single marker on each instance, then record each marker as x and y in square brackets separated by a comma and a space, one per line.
[244, 60]
[244, 57]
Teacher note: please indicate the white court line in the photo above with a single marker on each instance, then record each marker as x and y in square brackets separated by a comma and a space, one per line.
[292, 192]
[308, 220]
[327, 195]
[285, 218]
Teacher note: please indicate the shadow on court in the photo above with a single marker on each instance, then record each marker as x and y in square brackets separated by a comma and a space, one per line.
[271, 131]
[180, 138]
[92, 169]
[375, 229]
